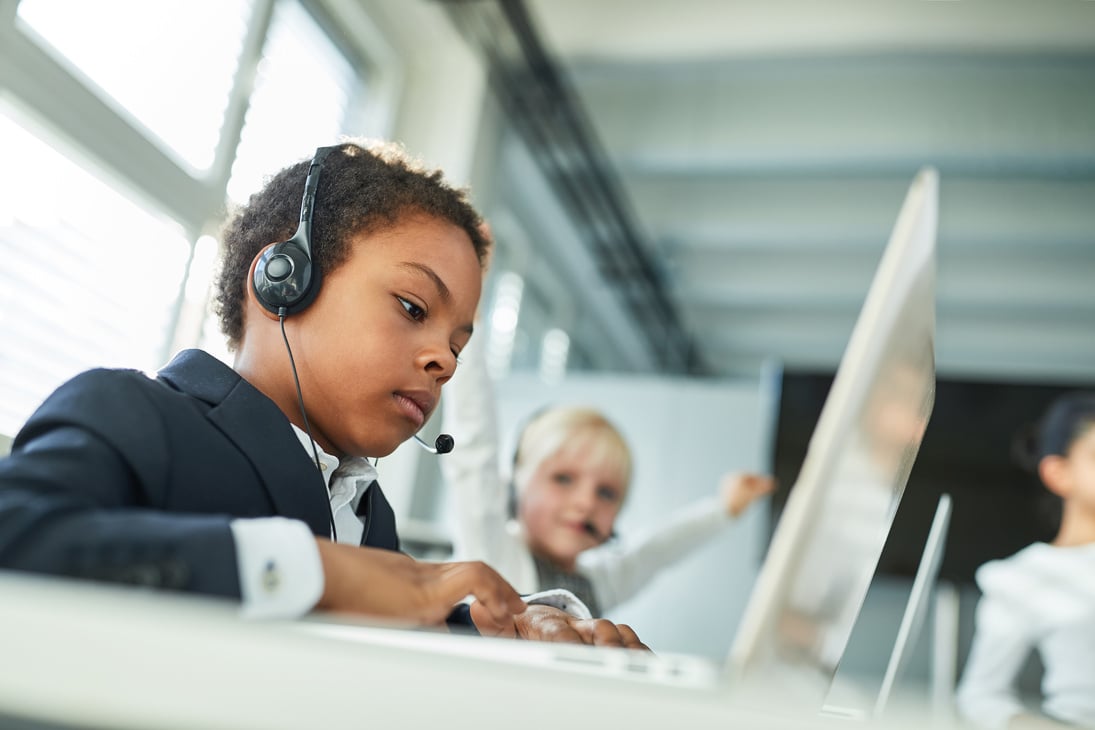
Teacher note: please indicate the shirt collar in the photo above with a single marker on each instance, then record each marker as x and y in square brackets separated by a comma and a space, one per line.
[327, 463]
[355, 466]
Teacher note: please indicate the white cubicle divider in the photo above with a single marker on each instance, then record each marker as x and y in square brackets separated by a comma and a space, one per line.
[77, 655]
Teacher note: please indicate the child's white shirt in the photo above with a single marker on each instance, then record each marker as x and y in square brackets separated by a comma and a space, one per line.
[1042, 598]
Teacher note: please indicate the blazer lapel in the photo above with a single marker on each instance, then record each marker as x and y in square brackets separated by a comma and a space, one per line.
[379, 519]
[261, 432]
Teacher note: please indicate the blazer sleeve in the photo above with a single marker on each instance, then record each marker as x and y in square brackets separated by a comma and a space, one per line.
[78, 495]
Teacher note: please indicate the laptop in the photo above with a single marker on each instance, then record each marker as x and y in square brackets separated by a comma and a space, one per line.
[830, 536]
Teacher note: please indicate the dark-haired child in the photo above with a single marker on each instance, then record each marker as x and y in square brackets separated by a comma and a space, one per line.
[348, 288]
[1043, 597]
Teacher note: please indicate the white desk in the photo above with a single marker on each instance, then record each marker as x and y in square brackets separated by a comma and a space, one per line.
[82, 655]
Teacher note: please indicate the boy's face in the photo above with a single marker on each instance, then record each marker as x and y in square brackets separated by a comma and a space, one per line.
[382, 336]
[570, 504]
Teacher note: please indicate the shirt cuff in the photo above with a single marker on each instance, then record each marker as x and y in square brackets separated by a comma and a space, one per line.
[561, 599]
[280, 572]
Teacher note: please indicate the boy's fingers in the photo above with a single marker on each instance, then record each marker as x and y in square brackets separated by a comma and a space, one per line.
[489, 589]
[501, 599]
[630, 638]
[606, 633]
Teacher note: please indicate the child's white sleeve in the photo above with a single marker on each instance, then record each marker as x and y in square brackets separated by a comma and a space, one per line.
[561, 599]
[480, 494]
[618, 572]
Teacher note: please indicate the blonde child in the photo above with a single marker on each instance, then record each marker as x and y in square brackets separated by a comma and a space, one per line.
[554, 524]
[1043, 597]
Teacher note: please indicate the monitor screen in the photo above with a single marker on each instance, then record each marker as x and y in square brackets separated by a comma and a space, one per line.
[834, 524]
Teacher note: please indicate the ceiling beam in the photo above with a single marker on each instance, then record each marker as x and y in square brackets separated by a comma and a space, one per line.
[544, 109]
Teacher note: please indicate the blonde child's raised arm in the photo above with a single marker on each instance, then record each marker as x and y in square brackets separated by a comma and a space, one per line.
[618, 572]
[480, 494]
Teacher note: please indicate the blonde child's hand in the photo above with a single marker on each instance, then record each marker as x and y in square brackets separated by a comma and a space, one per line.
[383, 583]
[739, 490]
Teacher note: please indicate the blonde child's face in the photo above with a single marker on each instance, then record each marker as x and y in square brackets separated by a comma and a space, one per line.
[383, 334]
[570, 504]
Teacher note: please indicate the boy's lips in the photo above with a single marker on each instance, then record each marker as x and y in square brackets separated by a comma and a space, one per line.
[415, 404]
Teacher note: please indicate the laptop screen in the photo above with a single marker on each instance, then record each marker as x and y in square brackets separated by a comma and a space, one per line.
[830, 536]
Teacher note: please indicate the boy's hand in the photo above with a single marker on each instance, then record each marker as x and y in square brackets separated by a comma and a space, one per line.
[741, 490]
[547, 623]
[376, 582]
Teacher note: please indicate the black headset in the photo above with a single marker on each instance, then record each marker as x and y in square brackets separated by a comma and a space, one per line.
[286, 279]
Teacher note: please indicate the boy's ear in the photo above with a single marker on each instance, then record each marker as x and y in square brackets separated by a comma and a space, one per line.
[252, 299]
[1053, 471]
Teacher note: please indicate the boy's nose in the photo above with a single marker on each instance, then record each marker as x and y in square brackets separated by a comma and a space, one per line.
[439, 362]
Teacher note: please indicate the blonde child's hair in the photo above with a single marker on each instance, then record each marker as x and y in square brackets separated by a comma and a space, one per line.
[570, 427]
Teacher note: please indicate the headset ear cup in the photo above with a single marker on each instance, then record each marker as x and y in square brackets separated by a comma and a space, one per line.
[511, 501]
[285, 278]
[286, 281]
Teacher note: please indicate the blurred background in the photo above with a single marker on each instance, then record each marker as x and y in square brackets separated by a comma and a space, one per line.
[685, 195]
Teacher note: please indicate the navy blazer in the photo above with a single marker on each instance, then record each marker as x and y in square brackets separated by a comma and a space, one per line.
[126, 478]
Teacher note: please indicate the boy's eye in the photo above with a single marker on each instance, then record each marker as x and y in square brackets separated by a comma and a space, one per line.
[608, 494]
[414, 311]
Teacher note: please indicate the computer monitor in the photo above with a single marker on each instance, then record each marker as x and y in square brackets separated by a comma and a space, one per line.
[829, 538]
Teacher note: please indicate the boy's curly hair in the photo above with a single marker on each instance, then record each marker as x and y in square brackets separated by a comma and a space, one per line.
[366, 186]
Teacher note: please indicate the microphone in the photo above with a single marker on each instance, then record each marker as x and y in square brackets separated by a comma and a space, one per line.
[442, 445]
[596, 534]
[593, 531]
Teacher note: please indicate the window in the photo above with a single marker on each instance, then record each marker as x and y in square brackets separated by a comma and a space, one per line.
[90, 277]
[100, 274]
[302, 91]
[169, 63]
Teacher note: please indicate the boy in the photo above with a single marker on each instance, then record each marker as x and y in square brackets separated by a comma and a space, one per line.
[230, 481]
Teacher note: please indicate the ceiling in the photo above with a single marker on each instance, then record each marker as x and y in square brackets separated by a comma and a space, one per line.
[763, 150]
